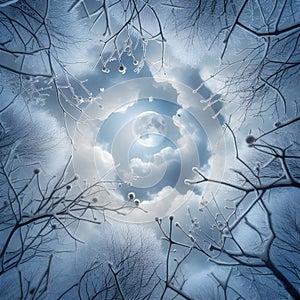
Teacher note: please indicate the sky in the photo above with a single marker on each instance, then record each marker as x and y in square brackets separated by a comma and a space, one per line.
[150, 136]
[146, 128]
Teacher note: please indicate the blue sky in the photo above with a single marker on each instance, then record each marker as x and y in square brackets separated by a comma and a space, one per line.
[166, 140]
[152, 128]
[106, 141]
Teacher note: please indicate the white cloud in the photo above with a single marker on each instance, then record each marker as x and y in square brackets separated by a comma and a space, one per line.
[139, 167]
[104, 161]
[124, 108]
[149, 173]
[142, 172]
[168, 200]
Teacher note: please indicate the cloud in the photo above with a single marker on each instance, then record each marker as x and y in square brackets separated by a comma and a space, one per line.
[139, 167]
[103, 161]
[158, 163]
[123, 109]
[168, 200]
[170, 166]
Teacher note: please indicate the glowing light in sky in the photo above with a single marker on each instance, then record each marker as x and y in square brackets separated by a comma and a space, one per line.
[151, 146]
[150, 128]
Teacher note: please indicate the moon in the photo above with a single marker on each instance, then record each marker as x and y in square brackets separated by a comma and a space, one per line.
[150, 128]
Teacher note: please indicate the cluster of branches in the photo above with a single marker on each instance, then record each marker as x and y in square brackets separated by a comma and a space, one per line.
[39, 212]
[131, 36]
[127, 266]
[35, 35]
[34, 208]
[133, 267]
[34, 45]
[270, 249]
[259, 72]
[39, 42]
